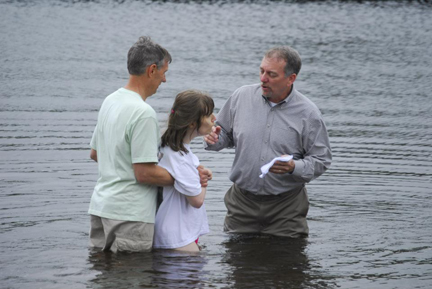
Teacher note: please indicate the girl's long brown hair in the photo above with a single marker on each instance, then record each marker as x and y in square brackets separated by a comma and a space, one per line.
[189, 107]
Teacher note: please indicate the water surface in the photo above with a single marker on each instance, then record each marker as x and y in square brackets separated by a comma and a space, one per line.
[366, 65]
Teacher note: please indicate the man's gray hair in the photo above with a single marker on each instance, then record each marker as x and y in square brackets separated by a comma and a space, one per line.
[289, 55]
[145, 53]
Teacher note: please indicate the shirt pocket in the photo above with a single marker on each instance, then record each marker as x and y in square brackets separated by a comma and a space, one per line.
[286, 140]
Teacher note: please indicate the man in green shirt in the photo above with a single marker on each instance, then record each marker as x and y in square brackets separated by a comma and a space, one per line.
[125, 145]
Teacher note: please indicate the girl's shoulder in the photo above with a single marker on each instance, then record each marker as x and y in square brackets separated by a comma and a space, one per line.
[179, 157]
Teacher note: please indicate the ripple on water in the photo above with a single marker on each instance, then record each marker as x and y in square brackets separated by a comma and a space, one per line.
[366, 69]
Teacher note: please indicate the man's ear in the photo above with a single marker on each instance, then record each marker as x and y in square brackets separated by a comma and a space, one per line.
[151, 70]
[292, 78]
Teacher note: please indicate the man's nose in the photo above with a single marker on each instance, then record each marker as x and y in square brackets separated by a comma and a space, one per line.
[263, 77]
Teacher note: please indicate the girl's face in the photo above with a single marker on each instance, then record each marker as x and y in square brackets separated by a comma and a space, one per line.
[207, 122]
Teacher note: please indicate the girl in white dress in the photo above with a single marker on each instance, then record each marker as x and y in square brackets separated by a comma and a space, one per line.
[182, 216]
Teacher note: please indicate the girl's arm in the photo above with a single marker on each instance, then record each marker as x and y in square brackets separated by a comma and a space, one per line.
[197, 201]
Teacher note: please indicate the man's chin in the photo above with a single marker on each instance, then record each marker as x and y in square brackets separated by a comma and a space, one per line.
[266, 94]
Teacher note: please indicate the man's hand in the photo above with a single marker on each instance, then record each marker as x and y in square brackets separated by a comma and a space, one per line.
[282, 167]
[205, 175]
[213, 137]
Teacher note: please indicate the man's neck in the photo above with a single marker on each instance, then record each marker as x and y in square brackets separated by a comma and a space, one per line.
[283, 98]
[135, 84]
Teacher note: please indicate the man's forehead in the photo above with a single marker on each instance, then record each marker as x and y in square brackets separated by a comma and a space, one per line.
[273, 63]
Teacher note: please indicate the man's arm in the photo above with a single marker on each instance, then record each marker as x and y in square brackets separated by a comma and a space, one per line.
[221, 136]
[218, 139]
[152, 174]
[93, 155]
[317, 158]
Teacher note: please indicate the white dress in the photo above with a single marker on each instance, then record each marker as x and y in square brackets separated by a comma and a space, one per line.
[177, 222]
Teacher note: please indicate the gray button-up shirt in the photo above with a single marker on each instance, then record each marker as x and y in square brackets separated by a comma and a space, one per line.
[260, 132]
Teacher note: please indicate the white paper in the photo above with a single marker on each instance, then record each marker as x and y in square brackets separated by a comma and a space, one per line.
[265, 168]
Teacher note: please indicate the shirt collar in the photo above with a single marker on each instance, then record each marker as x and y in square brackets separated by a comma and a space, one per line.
[286, 100]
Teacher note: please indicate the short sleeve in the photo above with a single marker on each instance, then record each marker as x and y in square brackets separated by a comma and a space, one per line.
[183, 168]
[93, 142]
[144, 138]
[187, 179]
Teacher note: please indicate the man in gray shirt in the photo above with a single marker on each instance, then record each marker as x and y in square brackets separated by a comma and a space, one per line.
[264, 121]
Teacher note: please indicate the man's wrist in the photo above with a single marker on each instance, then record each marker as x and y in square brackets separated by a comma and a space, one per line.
[298, 168]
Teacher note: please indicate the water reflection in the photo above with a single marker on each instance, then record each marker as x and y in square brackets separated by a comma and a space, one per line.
[269, 262]
[251, 261]
[120, 270]
[179, 270]
[159, 269]
[364, 66]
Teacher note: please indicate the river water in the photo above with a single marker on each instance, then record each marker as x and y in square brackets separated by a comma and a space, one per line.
[366, 64]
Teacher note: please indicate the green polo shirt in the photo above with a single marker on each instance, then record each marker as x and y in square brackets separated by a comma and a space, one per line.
[127, 132]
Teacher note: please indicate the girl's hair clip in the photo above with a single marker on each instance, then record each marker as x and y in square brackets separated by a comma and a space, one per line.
[172, 111]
